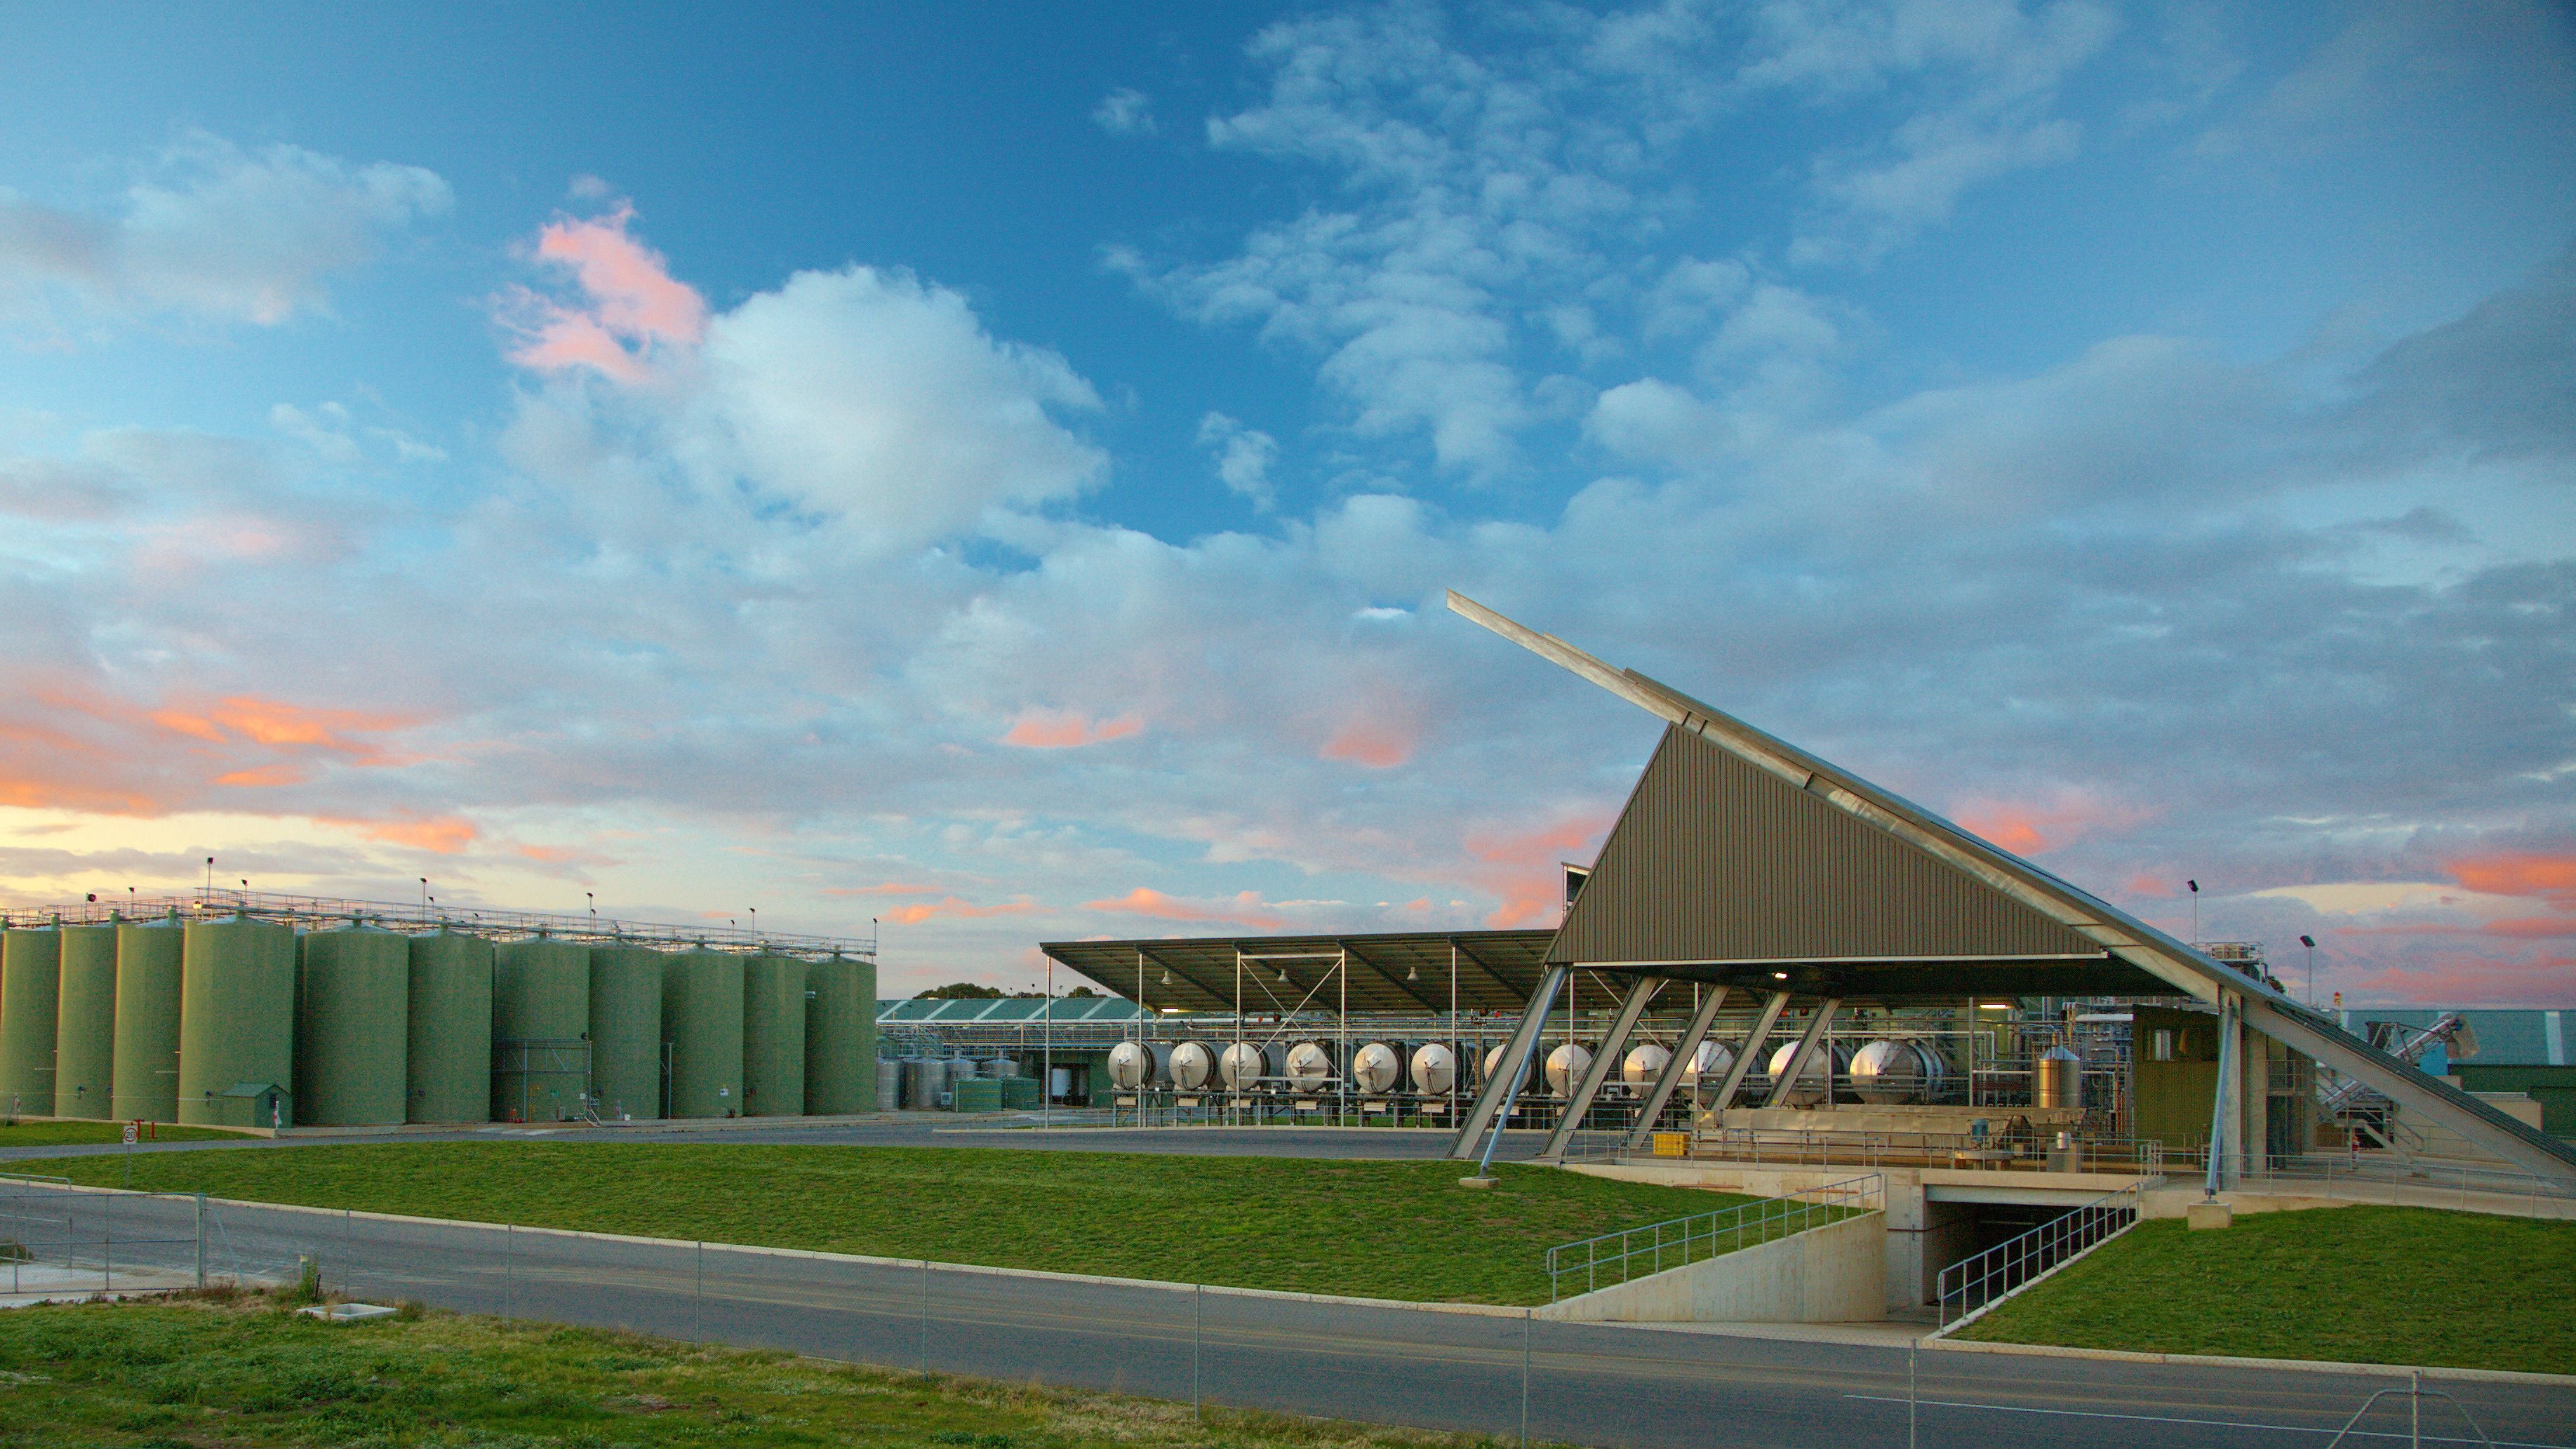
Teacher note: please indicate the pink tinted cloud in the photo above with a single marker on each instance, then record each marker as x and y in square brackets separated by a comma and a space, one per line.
[914, 915]
[630, 304]
[2452, 979]
[2027, 828]
[2520, 873]
[1377, 744]
[1522, 868]
[1064, 729]
[441, 834]
[1244, 910]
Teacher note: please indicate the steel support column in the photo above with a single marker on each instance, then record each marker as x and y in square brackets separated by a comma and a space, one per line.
[1808, 1042]
[1603, 1061]
[1671, 1076]
[2226, 1119]
[1754, 1041]
[1516, 1055]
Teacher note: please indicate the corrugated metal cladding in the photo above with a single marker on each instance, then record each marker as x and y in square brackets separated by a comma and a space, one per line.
[1715, 859]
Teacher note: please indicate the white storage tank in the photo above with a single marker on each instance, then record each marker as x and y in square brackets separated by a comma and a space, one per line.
[1192, 1066]
[1310, 1065]
[1131, 1066]
[1889, 1071]
[1565, 1068]
[1376, 1068]
[1239, 1066]
[1643, 1064]
[1816, 1082]
[1435, 1069]
[1709, 1064]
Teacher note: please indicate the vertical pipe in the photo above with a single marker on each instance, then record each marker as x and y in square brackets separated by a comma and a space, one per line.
[1342, 1064]
[1457, 1066]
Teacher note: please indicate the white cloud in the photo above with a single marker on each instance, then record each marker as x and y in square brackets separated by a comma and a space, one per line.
[1243, 458]
[212, 231]
[1125, 112]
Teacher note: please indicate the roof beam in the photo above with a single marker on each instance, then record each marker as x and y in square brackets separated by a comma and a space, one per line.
[1389, 977]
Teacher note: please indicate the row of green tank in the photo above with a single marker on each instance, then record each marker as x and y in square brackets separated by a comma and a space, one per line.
[247, 1023]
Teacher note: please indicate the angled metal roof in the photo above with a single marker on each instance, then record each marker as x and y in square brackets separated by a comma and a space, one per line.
[2119, 934]
[1720, 871]
[1390, 971]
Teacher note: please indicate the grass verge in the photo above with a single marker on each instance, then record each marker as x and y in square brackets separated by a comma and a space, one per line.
[2391, 1285]
[89, 1134]
[240, 1371]
[1372, 1229]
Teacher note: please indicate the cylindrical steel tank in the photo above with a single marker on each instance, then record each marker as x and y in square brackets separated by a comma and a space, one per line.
[1643, 1063]
[920, 1077]
[1376, 1068]
[236, 1022]
[889, 1073]
[1815, 1082]
[1565, 1068]
[1492, 1063]
[1310, 1065]
[2057, 1079]
[1239, 1066]
[352, 1027]
[540, 1030]
[702, 1021]
[1131, 1066]
[31, 981]
[1888, 1071]
[773, 1037]
[146, 1075]
[626, 1032]
[85, 1024]
[449, 1063]
[1709, 1064]
[997, 1068]
[841, 1071]
[1435, 1069]
[1192, 1065]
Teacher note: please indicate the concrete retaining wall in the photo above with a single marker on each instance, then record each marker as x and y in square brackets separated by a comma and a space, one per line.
[1833, 1274]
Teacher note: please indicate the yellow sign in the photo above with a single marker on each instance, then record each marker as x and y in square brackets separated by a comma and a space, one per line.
[1672, 1144]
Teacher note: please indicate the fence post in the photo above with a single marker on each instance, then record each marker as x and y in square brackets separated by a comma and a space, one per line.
[1198, 1337]
[1525, 1368]
[509, 1237]
[201, 1240]
[107, 1251]
[698, 1290]
[1911, 1390]
[925, 1318]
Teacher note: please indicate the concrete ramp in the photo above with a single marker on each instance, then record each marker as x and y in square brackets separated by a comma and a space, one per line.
[1836, 1273]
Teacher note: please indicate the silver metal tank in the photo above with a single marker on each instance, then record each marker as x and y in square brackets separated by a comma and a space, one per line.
[961, 1068]
[1887, 1071]
[2057, 1079]
[1239, 1066]
[1310, 1065]
[1710, 1063]
[1192, 1065]
[1376, 1068]
[1435, 1069]
[1643, 1063]
[1816, 1081]
[923, 1080]
[1565, 1067]
[889, 1084]
[1493, 1062]
[1131, 1066]
[997, 1067]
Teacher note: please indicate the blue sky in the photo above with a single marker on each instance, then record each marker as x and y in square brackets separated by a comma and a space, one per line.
[1000, 478]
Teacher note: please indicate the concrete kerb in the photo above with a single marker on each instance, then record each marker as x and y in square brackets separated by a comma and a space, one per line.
[1485, 1310]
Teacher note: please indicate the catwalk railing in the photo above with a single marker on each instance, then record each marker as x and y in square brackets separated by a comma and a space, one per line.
[1614, 1258]
[1995, 1274]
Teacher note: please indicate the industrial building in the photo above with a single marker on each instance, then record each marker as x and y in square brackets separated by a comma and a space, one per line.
[255, 1010]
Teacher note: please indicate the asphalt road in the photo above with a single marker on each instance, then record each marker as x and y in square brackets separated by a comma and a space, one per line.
[910, 1130]
[1586, 1384]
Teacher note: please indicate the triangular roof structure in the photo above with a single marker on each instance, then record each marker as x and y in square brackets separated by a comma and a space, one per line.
[2118, 935]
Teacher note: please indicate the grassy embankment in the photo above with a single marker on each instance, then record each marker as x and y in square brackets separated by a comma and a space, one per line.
[1373, 1229]
[2358, 1284]
[50, 1133]
[243, 1373]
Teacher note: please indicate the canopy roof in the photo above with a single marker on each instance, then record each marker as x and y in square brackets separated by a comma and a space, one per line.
[1390, 971]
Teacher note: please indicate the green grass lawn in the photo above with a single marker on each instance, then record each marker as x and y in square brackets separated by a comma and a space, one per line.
[84, 1134]
[1373, 1229]
[2389, 1285]
[243, 1373]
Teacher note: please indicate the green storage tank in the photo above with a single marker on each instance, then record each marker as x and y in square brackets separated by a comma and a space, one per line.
[1022, 1093]
[840, 1037]
[449, 1064]
[626, 1031]
[773, 1037]
[145, 1079]
[85, 1023]
[540, 1030]
[352, 1027]
[31, 979]
[978, 1094]
[702, 1020]
[236, 1023]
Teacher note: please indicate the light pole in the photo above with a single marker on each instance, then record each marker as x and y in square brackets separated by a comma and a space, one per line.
[2311, 943]
[2195, 913]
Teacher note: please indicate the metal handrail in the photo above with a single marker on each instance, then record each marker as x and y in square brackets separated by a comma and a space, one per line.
[1677, 1242]
[1974, 1283]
